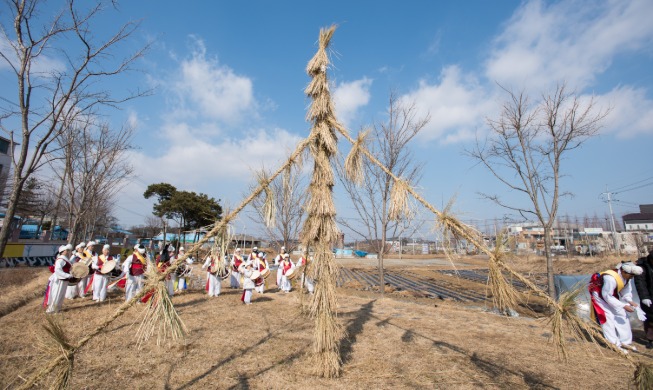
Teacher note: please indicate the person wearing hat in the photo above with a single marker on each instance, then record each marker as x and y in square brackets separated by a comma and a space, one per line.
[285, 266]
[100, 281]
[611, 294]
[182, 282]
[644, 284]
[58, 281]
[260, 265]
[253, 255]
[88, 256]
[134, 268]
[277, 261]
[248, 284]
[213, 282]
[236, 262]
[72, 291]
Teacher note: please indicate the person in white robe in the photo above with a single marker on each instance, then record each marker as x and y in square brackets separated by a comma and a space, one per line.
[615, 300]
[72, 290]
[100, 280]
[248, 284]
[134, 268]
[260, 265]
[285, 266]
[213, 282]
[236, 262]
[182, 282]
[277, 261]
[58, 281]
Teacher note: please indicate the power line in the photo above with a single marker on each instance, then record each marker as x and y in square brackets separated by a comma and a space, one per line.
[625, 188]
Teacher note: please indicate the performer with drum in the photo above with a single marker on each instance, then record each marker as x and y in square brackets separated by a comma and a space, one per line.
[134, 268]
[236, 262]
[72, 290]
[261, 265]
[287, 267]
[58, 281]
[88, 256]
[248, 284]
[213, 282]
[102, 265]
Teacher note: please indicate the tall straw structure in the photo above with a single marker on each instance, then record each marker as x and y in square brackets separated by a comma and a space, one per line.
[320, 231]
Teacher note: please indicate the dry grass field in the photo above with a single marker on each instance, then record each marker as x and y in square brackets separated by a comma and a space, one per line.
[401, 341]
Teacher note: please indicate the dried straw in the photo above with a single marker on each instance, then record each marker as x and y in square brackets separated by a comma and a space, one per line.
[354, 161]
[320, 230]
[399, 200]
[160, 315]
[197, 246]
[561, 311]
[269, 208]
[643, 377]
[63, 349]
[504, 295]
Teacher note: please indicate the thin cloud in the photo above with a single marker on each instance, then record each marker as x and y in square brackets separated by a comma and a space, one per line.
[211, 89]
[457, 105]
[544, 44]
[350, 97]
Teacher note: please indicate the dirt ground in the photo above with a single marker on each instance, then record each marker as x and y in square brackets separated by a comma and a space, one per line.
[397, 342]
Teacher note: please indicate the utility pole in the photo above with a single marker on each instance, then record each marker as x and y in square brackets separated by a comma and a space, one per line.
[608, 198]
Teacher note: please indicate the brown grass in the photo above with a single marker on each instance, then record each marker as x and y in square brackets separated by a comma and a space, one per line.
[26, 285]
[389, 344]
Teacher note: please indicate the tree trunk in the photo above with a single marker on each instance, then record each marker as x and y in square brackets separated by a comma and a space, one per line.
[10, 213]
[381, 256]
[549, 261]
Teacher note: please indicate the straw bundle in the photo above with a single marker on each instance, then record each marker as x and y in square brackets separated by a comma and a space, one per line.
[160, 315]
[643, 377]
[399, 200]
[60, 347]
[504, 296]
[354, 161]
[269, 209]
[320, 230]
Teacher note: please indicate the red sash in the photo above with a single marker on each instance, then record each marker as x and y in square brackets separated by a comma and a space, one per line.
[596, 286]
[237, 263]
[137, 268]
[286, 267]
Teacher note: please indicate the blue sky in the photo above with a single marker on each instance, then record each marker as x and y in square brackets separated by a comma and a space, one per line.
[229, 80]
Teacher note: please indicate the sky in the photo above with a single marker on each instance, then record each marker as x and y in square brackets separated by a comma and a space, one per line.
[228, 81]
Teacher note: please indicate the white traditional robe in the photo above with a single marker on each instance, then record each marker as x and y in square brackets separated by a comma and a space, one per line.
[616, 328]
[214, 283]
[58, 285]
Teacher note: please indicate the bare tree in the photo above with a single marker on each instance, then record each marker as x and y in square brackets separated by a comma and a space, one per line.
[96, 173]
[525, 150]
[49, 98]
[388, 142]
[289, 197]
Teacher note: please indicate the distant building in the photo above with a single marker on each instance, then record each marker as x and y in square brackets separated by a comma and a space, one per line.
[640, 222]
[5, 168]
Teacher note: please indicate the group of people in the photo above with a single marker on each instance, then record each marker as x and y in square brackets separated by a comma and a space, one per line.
[611, 294]
[63, 284]
[248, 273]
